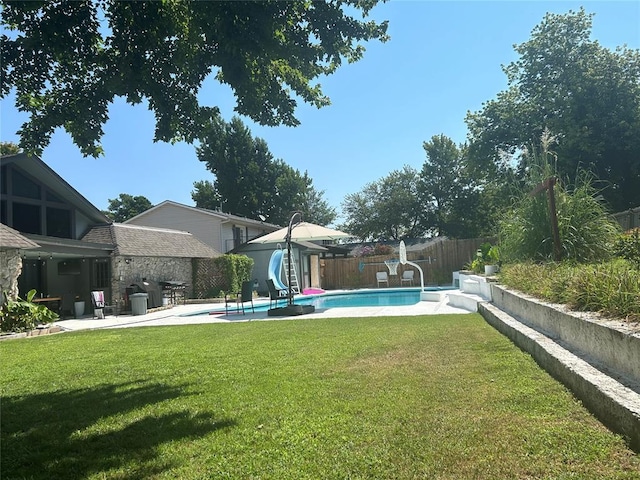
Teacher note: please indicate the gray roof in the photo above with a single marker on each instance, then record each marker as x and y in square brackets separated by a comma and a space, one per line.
[12, 239]
[138, 241]
[215, 213]
[68, 246]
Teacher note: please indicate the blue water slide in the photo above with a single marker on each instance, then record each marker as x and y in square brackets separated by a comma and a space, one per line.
[275, 266]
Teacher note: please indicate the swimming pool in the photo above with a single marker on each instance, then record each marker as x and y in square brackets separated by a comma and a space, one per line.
[382, 297]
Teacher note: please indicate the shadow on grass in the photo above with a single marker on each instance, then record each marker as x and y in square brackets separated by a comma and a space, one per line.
[74, 433]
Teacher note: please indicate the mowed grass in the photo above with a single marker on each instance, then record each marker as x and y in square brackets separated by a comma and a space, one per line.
[435, 397]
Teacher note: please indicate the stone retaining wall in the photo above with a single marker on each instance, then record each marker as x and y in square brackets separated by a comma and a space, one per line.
[616, 405]
[610, 345]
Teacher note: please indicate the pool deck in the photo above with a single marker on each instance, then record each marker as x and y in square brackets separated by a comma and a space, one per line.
[182, 315]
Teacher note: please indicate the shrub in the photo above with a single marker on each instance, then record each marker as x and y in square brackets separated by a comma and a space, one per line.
[586, 232]
[370, 251]
[24, 315]
[487, 254]
[235, 270]
[627, 246]
[363, 251]
[611, 288]
[382, 249]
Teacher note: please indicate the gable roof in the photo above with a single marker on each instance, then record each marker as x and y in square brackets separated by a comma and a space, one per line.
[213, 213]
[12, 239]
[139, 241]
[36, 167]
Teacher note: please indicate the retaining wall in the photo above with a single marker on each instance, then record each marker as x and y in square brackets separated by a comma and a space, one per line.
[608, 344]
[599, 361]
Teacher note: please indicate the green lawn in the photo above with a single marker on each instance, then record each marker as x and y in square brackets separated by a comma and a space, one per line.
[436, 397]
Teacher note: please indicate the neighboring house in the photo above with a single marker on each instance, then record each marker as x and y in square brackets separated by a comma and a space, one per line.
[72, 252]
[229, 233]
[156, 254]
[221, 231]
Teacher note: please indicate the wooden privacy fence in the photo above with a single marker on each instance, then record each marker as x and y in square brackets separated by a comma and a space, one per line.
[438, 262]
[628, 219]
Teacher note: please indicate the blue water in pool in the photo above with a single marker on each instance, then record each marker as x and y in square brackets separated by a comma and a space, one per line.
[357, 298]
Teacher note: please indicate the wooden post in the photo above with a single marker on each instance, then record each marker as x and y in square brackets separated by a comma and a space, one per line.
[548, 185]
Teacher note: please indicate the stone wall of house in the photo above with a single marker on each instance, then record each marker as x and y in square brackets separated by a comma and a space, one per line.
[10, 269]
[128, 270]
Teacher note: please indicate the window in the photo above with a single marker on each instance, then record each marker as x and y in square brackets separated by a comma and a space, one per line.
[26, 218]
[58, 222]
[3, 180]
[30, 207]
[23, 186]
[101, 273]
[52, 197]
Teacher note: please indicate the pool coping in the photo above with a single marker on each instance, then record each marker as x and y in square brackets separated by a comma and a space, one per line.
[186, 314]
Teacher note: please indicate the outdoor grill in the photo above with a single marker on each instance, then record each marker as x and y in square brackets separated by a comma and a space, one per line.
[173, 291]
[151, 288]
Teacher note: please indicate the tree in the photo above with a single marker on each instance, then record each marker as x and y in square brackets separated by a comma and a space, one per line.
[67, 61]
[444, 186]
[9, 148]
[455, 203]
[127, 206]
[316, 209]
[389, 209]
[205, 195]
[249, 182]
[586, 94]
[241, 165]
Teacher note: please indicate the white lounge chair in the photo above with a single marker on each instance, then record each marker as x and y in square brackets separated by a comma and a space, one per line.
[407, 276]
[382, 277]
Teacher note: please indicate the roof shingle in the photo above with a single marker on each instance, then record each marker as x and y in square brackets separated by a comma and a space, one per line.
[138, 241]
[10, 238]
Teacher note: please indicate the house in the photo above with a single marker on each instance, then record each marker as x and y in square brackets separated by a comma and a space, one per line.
[230, 233]
[147, 253]
[74, 247]
[221, 231]
[36, 202]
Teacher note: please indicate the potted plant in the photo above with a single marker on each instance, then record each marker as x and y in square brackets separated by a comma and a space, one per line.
[487, 259]
[492, 259]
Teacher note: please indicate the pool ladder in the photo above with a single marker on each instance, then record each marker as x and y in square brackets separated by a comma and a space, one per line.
[295, 286]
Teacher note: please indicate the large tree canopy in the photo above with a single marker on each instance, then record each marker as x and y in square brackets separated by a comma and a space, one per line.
[388, 209]
[250, 182]
[127, 206]
[67, 61]
[586, 94]
[448, 192]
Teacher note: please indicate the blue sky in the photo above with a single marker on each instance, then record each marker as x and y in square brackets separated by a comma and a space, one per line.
[443, 60]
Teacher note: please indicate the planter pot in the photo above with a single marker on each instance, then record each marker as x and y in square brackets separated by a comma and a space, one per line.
[78, 309]
[490, 269]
